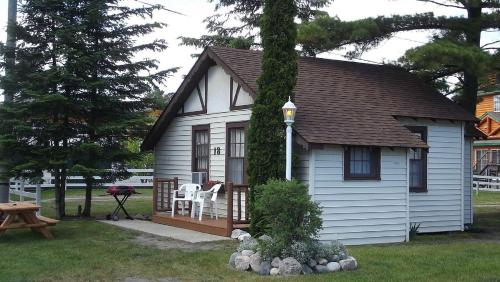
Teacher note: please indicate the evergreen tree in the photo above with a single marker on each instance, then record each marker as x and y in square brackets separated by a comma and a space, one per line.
[113, 88]
[454, 50]
[35, 127]
[266, 142]
[79, 91]
[244, 32]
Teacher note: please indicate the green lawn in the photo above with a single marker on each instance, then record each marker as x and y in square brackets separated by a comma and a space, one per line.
[486, 198]
[86, 250]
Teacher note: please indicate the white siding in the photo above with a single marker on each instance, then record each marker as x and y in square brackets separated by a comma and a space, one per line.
[301, 165]
[361, 212]
[441, 207]
[218, 90]
[468, 211]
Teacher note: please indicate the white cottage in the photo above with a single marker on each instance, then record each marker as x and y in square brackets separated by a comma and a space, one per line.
[379, 149]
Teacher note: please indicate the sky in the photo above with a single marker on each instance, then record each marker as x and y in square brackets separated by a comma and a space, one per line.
[196, 11]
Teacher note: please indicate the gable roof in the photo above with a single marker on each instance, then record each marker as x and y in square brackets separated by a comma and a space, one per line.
[338, 102]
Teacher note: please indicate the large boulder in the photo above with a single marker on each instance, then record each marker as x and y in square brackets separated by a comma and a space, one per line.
[334, 258]
[232, 258]
[265, 268]
[290, 266]
[322, 261]
[247, 253]
[237, 233]
[274, 271]
[242, 263]
[255, 262]
[306, 269]
[333, 266]
[244, 236]
[312, 262]
[348, 264]
[320, 268]
[276, 262]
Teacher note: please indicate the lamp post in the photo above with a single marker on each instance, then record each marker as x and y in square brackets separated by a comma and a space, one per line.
[289, 111]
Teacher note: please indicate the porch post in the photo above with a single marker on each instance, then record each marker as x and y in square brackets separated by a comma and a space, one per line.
[229, 213]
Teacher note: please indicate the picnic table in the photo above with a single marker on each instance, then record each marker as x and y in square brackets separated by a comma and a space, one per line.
[25, 212]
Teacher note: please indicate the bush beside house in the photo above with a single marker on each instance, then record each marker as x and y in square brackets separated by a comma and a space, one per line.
[291, 222]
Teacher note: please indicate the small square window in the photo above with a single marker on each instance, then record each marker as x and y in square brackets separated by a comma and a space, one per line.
[496, 103]
[361, 163]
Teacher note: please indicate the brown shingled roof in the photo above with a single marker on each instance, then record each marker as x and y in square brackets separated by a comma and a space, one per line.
[339, 102]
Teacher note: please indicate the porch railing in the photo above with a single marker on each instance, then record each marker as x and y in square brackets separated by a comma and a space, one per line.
[242, 215]
[162, 193]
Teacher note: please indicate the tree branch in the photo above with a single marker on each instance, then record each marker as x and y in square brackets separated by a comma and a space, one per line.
[442, 4]
[491, 43]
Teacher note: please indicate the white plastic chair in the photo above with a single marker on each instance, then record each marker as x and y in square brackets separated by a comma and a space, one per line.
[200, 200]
[189, 191]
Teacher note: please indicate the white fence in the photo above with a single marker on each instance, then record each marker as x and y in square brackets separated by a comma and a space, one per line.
[486, 183]
[142, 178]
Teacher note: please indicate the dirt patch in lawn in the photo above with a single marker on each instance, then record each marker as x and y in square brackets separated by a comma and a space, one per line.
[163, 243]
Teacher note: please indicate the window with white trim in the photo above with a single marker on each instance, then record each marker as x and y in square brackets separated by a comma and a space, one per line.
[496, 103]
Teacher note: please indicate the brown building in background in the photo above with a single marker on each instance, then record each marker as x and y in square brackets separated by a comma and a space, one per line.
[487, 152]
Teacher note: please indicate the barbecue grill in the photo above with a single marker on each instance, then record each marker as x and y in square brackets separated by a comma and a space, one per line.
[125, 192]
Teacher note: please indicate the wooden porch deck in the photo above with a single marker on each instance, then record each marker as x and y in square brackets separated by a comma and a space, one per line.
[206, 225]
[237, 215]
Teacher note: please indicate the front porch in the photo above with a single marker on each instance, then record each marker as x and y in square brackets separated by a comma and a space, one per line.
[233, 213]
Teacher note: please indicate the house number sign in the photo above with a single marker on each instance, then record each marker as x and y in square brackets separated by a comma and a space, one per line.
[216, 150]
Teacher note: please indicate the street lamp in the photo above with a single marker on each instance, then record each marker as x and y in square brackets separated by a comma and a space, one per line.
[289, 110]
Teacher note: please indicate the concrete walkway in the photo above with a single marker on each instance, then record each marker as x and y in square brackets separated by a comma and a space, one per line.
[166, 231]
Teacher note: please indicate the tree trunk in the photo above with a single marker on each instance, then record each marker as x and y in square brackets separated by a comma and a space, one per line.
[59, 196]
[88, 197]
[473, 37]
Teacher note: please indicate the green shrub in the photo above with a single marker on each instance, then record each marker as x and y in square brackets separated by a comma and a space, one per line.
[302, 251]
[286, 213]
[248, 244]
[330, 250]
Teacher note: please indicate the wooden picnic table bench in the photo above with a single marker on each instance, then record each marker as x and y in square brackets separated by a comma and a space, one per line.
[25, 214]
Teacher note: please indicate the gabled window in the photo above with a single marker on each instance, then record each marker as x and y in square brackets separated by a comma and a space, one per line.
[201, 148]
[418, 162]
[496, 103]
[361, 163]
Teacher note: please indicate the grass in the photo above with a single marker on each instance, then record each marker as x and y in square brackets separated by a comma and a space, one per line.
[486, 198]
[86, 250]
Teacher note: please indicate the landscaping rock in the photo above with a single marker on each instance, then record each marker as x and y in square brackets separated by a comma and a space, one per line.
[306, 269]
[342, 256]
[232, 258]
[247, 244]
[322, 261]
[334, 258]
[244, 236]
[255, 262]
[276, 262]
[237, 233]
[266, 238]
[265, 268]
[321, 268]
[247, 253]
[290, 266]
[312, 262]
[242, 263]
[274, 271]
[349, 263]
[333, 266]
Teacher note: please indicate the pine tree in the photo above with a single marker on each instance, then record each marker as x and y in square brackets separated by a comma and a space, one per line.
[266, 142]
[454, 51]
[244, 34]
[34, 131]
[113, 88]
[79, 91]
